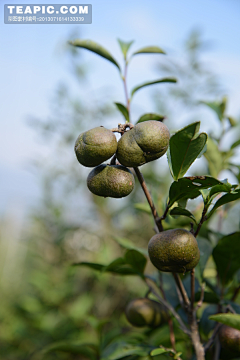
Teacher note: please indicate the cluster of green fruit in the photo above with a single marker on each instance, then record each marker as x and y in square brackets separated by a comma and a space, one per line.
[171, 251]
[144, 142]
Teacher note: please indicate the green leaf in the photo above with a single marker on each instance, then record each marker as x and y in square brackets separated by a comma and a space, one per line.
[127, 244]
[143, 207]
[235, 144]
[137, 260]
[205, 249]
[125, 47]
[158, 351]
[225, 199]
[120, 266]
[189, 187]
[184, 148]
[226, 255]
[180, 211]
[123, 110]
[161, 350]
[96, 48]
[87, 350]
[232, 121]
[149, 50]
[120, 349]
[150, 116]
[209, 297]
[218, 107]
[213, 157]
[168, 80]
[232, 320]
[93, 266]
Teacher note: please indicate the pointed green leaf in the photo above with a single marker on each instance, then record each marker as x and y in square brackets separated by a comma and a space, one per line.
[184, 212]
[96, 48]
[232, 121]
[218, 107]
[121, 349]
[121, 267]
[189, 187]
[123, 110]
[226, 255]
[214, 157]
[149, 50]
[235, 144]
[150, 116]
[158, 351]
[225, 199]
[165, 80]
[127, 244]
[125, 46]
[93, 266]
[184, 148]
[137, 260]
[232, 320]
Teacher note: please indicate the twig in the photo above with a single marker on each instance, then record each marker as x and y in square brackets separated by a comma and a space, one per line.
[211, 340]
[196, 341]
[170, 322]
[217, 349]
[200, 302]
[125, 87]
[149, 199]
[182, 290]
[235, 294]
[192, 289]
[201, 222]
[169, 307]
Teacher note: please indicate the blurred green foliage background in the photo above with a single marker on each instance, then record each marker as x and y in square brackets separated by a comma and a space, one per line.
[44, 299]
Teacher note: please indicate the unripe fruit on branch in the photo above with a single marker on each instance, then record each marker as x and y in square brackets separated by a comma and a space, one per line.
[110, 180]
[95, 146]
[230, 338]
[147, 141]
[145, 312]
[174, 251]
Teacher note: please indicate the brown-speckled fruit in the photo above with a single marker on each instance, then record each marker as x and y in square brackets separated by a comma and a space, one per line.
[230, 338]
[110, 180]
[145, 312]
[147, 141]
[174, 251]
[95, 146]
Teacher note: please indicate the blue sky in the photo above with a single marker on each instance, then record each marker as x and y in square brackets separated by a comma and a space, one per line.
[31, 67]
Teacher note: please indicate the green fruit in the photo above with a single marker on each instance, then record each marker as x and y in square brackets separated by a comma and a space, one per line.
[145, 312]
[229, 338]
[145, 142]
[95, 146]
[110, 180]
[174, 251]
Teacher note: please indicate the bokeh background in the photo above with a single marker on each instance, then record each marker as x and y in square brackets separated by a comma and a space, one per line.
[50, 92]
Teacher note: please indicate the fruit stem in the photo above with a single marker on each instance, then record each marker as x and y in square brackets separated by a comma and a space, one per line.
[149, 199]
[182, 290]
[169, 307]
